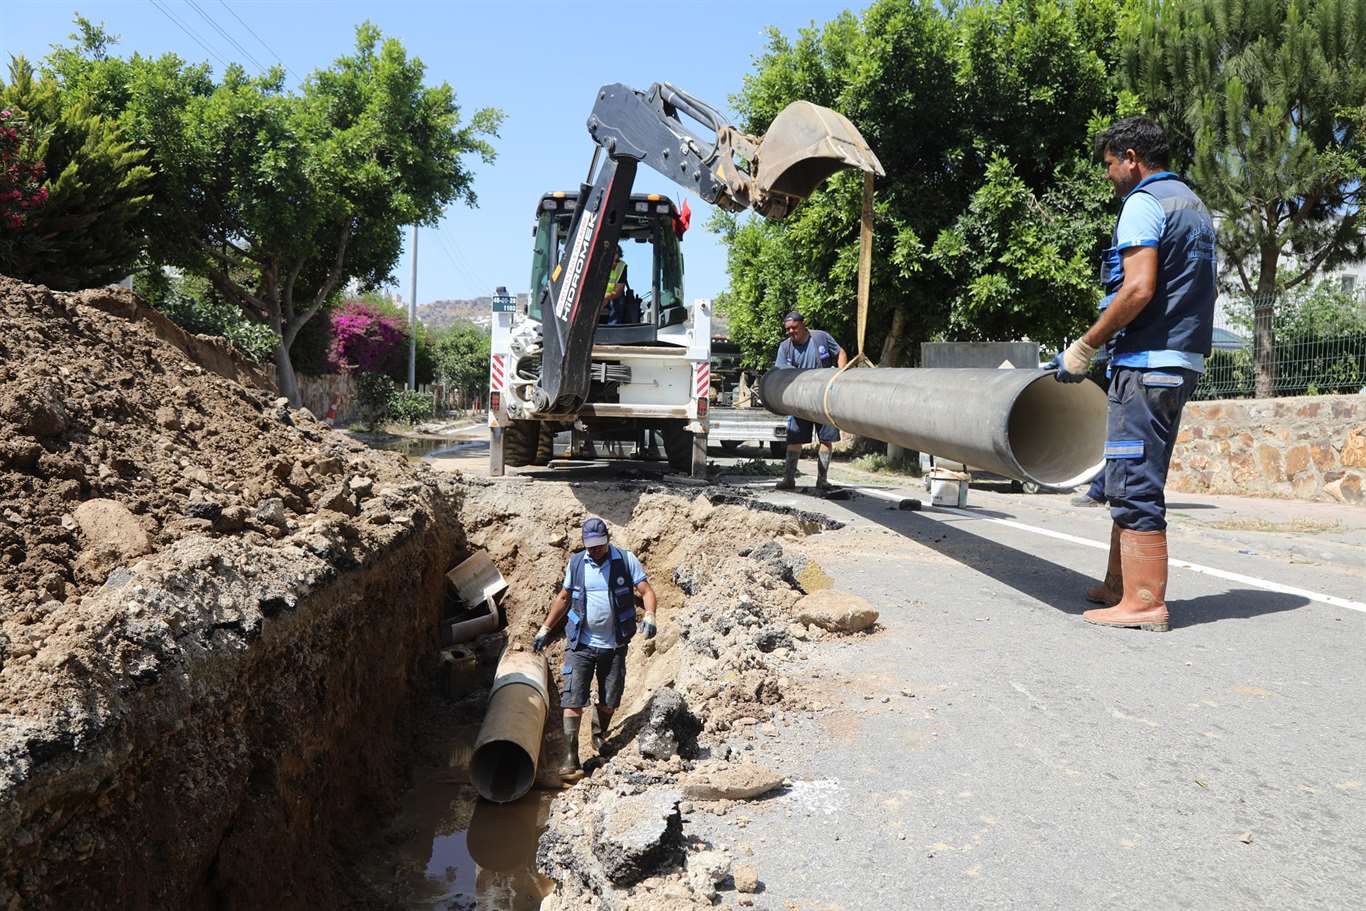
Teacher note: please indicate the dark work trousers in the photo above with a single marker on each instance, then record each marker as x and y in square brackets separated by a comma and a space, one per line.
[1097, 489]
[1144, 418]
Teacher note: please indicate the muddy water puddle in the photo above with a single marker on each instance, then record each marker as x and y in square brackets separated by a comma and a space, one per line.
[429, 447]
[448, 850]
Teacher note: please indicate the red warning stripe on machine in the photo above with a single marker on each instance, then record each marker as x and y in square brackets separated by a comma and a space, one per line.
[496, 373]
[701, 379]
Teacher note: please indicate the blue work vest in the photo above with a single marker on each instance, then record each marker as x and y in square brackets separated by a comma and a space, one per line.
[621, 595]
[1180, 316]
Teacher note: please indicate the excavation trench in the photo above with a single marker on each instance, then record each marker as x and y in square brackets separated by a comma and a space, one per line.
[221, 674]
[446, 847]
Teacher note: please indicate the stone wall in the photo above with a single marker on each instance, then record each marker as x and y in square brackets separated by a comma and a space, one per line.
[1307, 447]
[331, 397]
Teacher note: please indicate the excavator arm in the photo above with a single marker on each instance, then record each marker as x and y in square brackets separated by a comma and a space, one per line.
[771, 174]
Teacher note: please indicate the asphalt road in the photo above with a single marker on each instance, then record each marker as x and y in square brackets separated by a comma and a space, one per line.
[987, 749]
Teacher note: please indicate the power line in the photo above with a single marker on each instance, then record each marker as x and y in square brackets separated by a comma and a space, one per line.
[460, 266]
[258, 38]
[230, 39]
[187, 30]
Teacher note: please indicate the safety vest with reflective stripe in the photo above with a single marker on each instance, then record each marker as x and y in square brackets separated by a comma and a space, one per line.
[621, 595]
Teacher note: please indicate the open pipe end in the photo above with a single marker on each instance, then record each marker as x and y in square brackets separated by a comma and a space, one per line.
[1057, 431]
[502, 771]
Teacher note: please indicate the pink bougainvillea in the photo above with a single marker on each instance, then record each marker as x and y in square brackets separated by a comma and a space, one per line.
[21, 177]
[363, 339]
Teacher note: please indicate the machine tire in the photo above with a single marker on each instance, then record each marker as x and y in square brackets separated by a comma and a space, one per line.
[777, 449]
[520, 443]
[730, 445]
[678, 445]
[545, 445]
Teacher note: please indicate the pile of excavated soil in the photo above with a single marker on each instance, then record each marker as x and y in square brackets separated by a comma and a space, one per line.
[96, 403]
[214, 613]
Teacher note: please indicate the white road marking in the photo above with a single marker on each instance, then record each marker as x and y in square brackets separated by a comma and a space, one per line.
[1224, 574]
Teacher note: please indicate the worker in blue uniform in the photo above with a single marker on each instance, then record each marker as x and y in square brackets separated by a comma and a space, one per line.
[807, 349]
[1159, 276]
[598, 599]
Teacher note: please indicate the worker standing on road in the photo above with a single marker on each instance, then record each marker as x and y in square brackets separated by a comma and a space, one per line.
[807, 349]
[598, 594]
[1159, 273]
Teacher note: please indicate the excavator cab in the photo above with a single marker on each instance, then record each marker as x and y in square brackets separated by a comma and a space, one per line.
[652, 299]
[585, 357]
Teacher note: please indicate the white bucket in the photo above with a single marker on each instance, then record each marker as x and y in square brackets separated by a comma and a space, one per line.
[948, 488]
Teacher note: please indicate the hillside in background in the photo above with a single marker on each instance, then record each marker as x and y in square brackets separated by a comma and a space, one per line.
[442, 314]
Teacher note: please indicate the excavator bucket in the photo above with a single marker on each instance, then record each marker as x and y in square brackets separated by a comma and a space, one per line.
[804, 145]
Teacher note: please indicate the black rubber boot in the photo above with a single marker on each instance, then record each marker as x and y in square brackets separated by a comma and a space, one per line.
[822, 468]
[599, 727]
[789, 480]
[570, 766]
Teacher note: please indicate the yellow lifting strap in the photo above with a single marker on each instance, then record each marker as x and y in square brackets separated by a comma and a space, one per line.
[865, 278]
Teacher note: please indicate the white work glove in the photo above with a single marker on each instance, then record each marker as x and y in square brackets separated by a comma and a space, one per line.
[538, 644]
[1074, 363]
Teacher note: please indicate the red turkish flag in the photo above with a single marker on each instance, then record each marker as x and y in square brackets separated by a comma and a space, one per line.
[682, 220]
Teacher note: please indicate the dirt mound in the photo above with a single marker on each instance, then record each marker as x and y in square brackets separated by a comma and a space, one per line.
[213, 611]
[96, 402]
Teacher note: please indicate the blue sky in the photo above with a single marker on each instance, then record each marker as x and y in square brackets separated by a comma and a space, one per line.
[539, 61]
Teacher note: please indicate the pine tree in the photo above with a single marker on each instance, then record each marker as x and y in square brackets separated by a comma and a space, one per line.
[86, 232]
[1262, 100]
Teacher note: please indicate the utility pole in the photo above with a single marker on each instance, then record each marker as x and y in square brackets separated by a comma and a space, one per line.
[412, 321]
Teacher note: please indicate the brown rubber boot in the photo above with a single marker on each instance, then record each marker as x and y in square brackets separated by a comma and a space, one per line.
[1111, 590]
[1143, 555]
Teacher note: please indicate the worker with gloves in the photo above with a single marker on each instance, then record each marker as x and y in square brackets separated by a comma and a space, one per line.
[598, 595]
[1159, 276]
[807, 349]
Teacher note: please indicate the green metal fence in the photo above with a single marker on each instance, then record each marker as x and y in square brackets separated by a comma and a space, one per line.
[1303, 366]
[1319, 346]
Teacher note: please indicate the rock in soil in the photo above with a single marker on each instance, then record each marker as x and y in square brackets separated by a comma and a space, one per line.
[670, 729]
[741, 782]
[639, 835]
[706, 870]
[836, 611]
[746, 879]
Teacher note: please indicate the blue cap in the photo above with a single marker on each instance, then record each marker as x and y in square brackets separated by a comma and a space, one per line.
[594, 532]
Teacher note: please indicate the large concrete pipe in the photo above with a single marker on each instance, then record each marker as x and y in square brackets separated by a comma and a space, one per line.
[508, 748]
[1022, 423]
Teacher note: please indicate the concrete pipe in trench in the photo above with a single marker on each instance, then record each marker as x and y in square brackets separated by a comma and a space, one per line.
[1022, 423]
[503, 766]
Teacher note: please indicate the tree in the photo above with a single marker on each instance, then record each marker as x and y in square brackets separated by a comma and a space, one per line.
[303, 193]
[462, 358]
[1024, 263]
[1262, 99]
[891, 74]
[193, 305]
[975, 110]
[81, 227]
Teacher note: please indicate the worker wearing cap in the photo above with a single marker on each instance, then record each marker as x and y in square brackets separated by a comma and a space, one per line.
[807, 349]
[598, 596]
[1159, 276]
